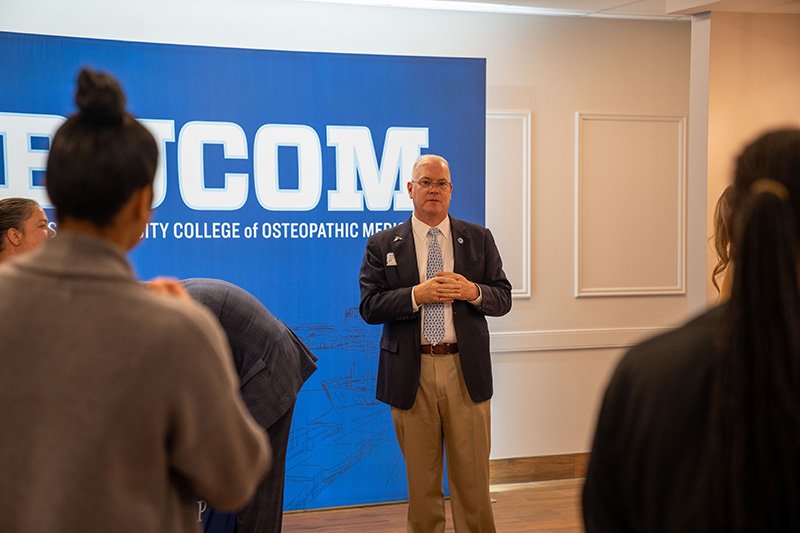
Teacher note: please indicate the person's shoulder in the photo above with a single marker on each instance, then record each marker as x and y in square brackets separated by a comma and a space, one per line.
[187, 334]
[6, 268]
[212, 293]
[673, 351]
[467, 229]
[181, 309]
[174, 314]
[700, 328]
[466, 225]
[232, 305]
[207, 284]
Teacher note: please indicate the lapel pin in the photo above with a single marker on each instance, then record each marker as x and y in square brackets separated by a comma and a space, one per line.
[397, 238]
[460, 240]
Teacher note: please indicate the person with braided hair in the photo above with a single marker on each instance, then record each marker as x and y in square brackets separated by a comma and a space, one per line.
[699, 428]
[118, 406]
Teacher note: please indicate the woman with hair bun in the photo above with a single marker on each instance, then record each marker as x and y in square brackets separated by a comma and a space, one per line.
[700, 427]
[119, 406]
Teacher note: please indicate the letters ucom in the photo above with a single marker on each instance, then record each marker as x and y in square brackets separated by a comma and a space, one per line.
[26, 138]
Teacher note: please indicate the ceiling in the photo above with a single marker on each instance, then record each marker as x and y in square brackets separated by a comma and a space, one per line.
[653, 8]
[659, 9]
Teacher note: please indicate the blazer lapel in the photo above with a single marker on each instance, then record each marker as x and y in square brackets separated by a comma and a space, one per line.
[405, 253]
[461, 244]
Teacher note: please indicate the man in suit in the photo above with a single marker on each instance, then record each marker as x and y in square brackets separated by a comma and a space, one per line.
[272, 363]
[431, 281]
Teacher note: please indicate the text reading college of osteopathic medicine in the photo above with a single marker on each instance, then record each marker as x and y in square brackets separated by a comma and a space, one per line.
[263, 230]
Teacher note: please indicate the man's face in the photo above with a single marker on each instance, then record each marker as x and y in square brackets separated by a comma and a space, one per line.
[430, 191]
[35, 230]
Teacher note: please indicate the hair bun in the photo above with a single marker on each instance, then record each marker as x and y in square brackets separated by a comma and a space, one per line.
[100, 98]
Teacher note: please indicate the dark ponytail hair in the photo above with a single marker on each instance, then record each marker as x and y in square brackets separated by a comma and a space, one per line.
[755, 447]
[100, 156]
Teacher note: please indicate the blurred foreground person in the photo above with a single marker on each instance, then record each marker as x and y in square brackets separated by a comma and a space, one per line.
[700, 427]
[23, 227]
[272, 363]
[119, 407]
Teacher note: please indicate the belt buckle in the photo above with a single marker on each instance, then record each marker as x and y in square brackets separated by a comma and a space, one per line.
[437, 350]
[444, 349]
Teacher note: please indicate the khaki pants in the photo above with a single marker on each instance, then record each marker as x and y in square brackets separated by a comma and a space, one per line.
[444, 416]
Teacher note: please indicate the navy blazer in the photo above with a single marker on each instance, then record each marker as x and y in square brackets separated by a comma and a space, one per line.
[386, 299]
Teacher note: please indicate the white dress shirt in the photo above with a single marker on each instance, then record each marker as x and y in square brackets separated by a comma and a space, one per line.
[421, 240]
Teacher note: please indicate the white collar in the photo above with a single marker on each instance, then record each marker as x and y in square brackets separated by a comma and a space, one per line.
[421, 229]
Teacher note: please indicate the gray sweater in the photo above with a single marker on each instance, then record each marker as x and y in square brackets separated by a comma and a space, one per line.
[118, 406]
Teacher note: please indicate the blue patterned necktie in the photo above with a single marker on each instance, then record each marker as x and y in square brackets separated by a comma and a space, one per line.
[433, 323]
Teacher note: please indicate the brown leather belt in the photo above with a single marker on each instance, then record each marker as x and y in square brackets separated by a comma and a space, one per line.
[439, 349]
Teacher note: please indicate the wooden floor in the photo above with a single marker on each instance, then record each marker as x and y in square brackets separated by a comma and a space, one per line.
[543, 506]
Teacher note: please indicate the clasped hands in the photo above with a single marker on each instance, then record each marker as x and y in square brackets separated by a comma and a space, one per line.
[168, 287]
[445, 287]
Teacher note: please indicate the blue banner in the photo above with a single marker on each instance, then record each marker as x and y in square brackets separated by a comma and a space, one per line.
[275, 168]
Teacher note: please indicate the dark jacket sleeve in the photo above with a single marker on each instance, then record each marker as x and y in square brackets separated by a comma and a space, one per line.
[495, 287]
[381, 300]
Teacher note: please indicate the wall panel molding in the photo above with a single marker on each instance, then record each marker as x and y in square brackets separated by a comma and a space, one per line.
[571, 339]
[624, 248]
[508, 207]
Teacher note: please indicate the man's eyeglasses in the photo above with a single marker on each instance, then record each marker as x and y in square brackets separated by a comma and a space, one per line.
[425, 183]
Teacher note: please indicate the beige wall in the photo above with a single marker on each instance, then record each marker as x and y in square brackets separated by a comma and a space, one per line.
[592, 227]
[754, 84]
